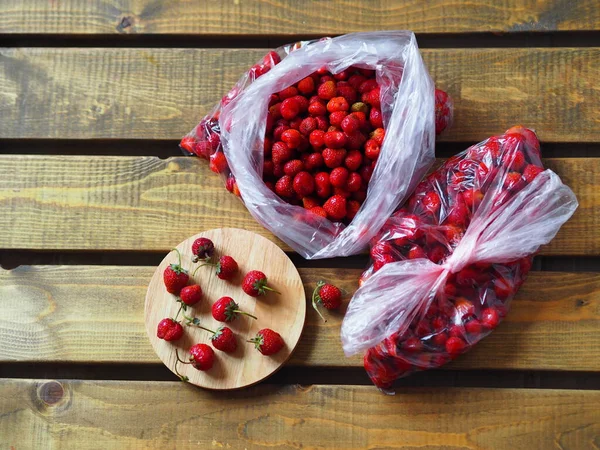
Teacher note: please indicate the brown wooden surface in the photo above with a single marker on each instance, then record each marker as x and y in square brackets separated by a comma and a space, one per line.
[164, 415]
[87, 93]
[260, 17]
[283, 312]
[94, 314]
[133, 203]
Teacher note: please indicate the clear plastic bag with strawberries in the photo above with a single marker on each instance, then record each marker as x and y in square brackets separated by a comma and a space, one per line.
[401, 105]
[446, 266]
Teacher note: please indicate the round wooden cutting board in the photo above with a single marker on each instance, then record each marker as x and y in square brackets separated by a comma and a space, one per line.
[283, 312]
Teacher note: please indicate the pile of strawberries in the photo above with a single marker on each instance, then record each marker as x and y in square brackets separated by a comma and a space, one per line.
[323, 138]
[430, 225]
[225, 309]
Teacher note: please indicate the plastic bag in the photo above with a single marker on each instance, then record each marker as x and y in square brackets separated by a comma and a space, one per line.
[407, 104]
[446, 266]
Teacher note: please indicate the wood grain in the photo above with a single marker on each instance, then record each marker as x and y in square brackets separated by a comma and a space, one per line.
[260, 17]
[95, 314]
[128, 93]
[283, 312]
[145, 203]
[164, 415]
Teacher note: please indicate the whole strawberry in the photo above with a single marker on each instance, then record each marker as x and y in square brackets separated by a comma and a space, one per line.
[175, 277]
[190, 295]
[169, 330]
[267, 341]
[227, 267]
[327, 295]
[202, 357]
[203, 249]
[226, 310]
[255, 284]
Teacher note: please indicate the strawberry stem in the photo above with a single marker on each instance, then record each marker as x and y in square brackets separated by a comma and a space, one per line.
[202, 265]
[181, 377]
[194, 322]
[178, 256]
[239, 311]
[316, 298]
[178, 311]
[271, 289]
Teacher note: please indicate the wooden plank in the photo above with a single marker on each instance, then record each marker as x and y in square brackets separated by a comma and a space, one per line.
[305, 17]
[94, 314]
[146, 203]
[158, 415]
[117, 93]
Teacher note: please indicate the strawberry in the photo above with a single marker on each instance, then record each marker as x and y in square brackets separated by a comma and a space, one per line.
[322, 185]
[334, 157]
[223, 339]
[268, 342]
[316, 109]
[169, 330]
[218, 163]
[288, 92]
[359, 107]
[313, 161]
[255, 284]
[354, 183]
[335, 207]
[327, 90]
[290, 108]
[490, 318]
[375, 118]
[337, 104]
[284, 187]
[202, 357]
[293, 167]
[310, 202]
[353, 160]
[306, 85]
[531, 171]
[227, 267]
[318, 210]
[280, 153]
[190, 295]
[307, 126]
[352, 209]
[226, 310]
[339, 177]
[335, 139]
[203, 249]
[304, 184]
[350, 124]
[292, 138]
[455, 346]
[336, 118]
[175, 277]
[372, 149]
[328, 295]
[187, 144]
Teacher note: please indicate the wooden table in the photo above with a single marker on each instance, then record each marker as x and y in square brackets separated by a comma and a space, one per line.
[94, 97]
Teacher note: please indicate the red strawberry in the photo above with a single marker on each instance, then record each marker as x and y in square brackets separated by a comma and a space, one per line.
[202, 248]
[313, 161]
[490, 318]
[335, 207]
[202, 357]
[306, 85]
[352, 209]
[323, 184]
[226, 310]
[307, 126]
[455, 346]
[336, 118]
[317, 109]
[350, 124]
[328, 295]
[334, 157]
[218, 163]
[335, 139]
[293, 167]
[190, 295]
[280, 153]
[337, 104]
[310, 202]
[339, 177]
[367, 85]
[353, 160]
[169, 330]
[292, 138]
[175, 277]
[366, 172]
[268, 342]
[431, 202]
[284, 187]
[290, 108]
[187, 144]
[376, 118]
[372, 149]
[255, 284]
[227, 267]
[317, 139]
[223, 339]
[354, 182]
[531, 171]
[288, 92]
[304, 184]
[327, 90]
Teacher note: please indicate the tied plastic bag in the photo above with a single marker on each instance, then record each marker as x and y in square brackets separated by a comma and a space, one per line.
[446, 266]
[232, 136]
